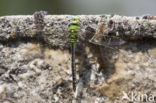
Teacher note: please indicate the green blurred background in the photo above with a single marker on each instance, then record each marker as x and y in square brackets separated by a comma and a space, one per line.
[121, 7]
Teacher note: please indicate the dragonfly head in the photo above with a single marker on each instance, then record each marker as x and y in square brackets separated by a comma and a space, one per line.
[75, 21]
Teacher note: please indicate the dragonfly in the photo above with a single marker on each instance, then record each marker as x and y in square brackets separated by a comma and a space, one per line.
[74, 32]
[98, 39]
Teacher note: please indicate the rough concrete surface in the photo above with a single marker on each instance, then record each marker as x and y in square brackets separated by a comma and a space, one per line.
[36, 69]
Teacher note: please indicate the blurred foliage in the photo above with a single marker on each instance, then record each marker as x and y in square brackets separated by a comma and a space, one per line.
[122, 7]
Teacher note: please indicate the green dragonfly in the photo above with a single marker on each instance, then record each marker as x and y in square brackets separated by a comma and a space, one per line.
[98, 39]
[74, 32]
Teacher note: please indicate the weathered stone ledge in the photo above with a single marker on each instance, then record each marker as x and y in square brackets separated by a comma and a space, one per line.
[54, 28]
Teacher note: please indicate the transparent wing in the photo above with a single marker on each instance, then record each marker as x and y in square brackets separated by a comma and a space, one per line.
[112, 41]
[108, 41]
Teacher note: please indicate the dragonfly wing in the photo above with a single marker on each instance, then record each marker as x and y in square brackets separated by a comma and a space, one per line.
[107, 40]
[113, 42]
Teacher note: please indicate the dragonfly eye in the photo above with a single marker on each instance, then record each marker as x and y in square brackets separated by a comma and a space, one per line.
[75, 21]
